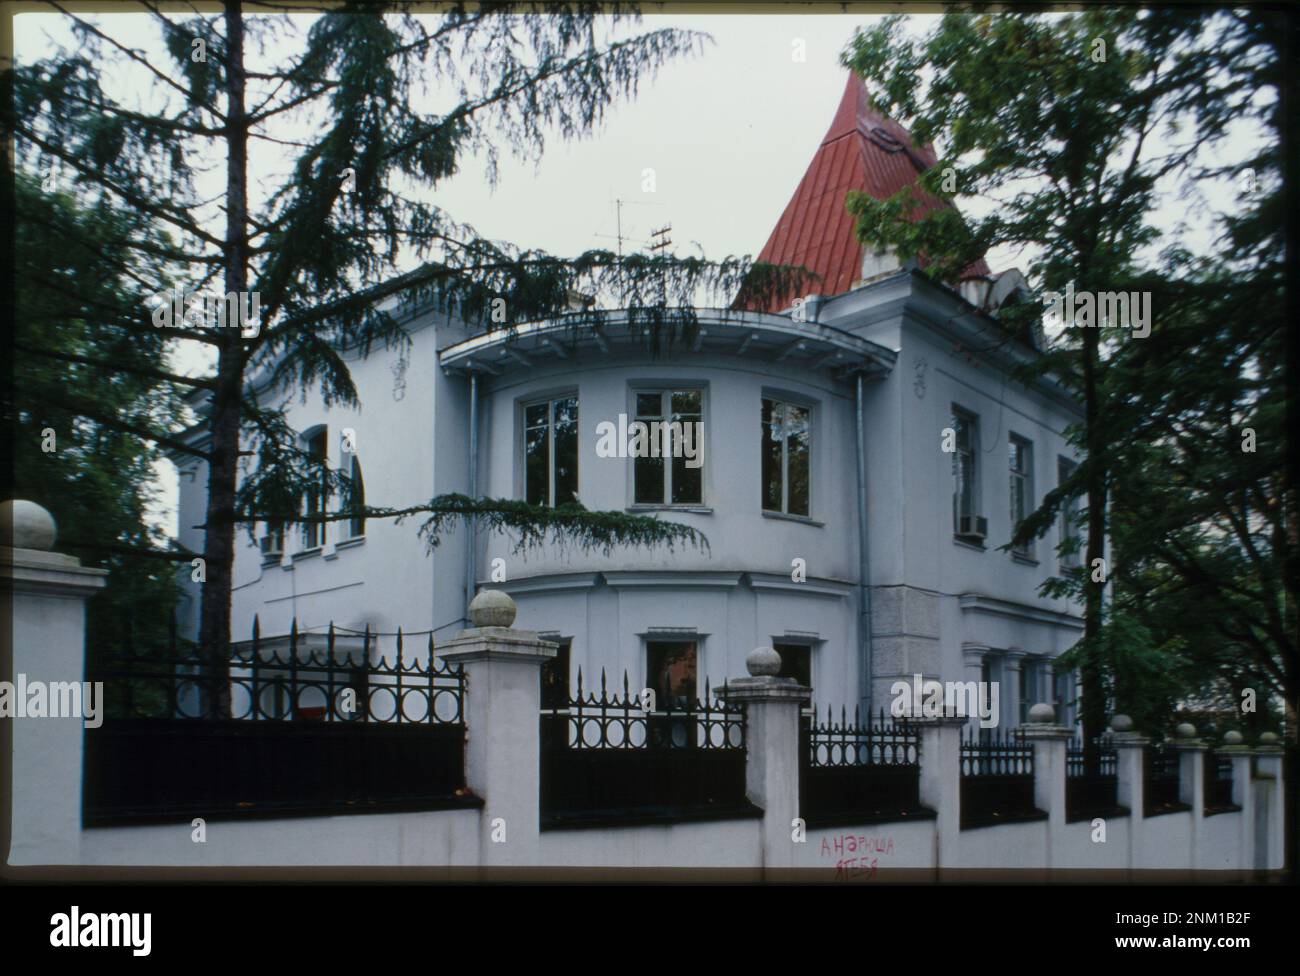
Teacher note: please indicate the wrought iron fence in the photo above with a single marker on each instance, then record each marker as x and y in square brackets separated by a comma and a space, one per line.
[1160, 786]
[290, 725]
[859, 772]
[997, 780]
[1091, 779]
[1218, 783]
[606, 758]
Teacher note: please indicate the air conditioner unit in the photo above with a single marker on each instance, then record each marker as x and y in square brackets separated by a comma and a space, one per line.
[973, 527]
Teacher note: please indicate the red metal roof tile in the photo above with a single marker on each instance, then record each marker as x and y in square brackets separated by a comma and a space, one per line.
[862, 150]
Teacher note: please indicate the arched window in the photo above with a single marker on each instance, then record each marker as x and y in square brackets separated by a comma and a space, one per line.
[356, 526]
[316, 444]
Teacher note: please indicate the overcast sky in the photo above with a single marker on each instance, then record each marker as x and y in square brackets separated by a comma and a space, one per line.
[728, 134]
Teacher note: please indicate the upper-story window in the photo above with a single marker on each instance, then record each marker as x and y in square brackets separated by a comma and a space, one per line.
[1069, 515]
[357, 525]
[551, 451]
[671, 471]
[966, 520]
[316, 445]
[787, 451]
[1021, 459]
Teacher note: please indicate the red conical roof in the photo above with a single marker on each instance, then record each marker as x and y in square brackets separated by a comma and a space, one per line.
[862, 150]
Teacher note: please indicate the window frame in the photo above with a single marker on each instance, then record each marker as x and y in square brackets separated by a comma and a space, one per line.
[550, 399]
[660, 699]
[959, 416]
[1026, 477]
[315, 534]
[665, 388]
[785, 399]
[1066, 527]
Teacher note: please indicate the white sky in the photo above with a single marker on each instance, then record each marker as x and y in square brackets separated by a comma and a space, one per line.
[728, 135]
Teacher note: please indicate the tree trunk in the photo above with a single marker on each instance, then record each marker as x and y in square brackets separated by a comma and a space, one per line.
[224, 423]
[1093, 689]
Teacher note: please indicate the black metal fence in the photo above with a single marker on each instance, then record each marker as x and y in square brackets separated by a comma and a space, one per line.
[1218, 783]
[997, 780]
[854, 772]
[1091, 780]
[1160, 787]
[606, 760]
[287, 726]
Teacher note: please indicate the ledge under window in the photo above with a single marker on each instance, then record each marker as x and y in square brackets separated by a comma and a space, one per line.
[307, 553]
[651, 507]
[787, 517]
[352, 543]
[968, 544]
[1024, 558]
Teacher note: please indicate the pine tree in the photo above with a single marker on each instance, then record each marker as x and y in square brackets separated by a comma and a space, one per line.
[324, 250]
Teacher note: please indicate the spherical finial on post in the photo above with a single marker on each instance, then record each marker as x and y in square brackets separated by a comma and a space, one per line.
[492, 608]
[1268, 739]
[26, 525]
[1185, 730]
[1042, 714]
[1121, 723]
[763, 662]
[1233, 738]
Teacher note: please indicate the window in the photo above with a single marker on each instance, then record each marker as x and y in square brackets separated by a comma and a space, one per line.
[356, 526]
[555, 677]
[1063, 696]
[272, 542]
[671, 672]
[313, 533]
[551, 451]
[796, 662]
[988, 670]
[1030, 690]
[674, 473]
[1021, 457]
[965, 495]
[787, 435]
[1070, 558]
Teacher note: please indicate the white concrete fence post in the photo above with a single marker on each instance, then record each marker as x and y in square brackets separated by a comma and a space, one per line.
[940, 785]
[1049, 742]
[502, 719]
[43, 640]
[1191, 782]
[1130, 778]
[1243, 796]
[772, 760]
[1269, 822]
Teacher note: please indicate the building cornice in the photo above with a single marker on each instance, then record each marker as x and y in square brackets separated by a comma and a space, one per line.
[755, 336]
[979, 603]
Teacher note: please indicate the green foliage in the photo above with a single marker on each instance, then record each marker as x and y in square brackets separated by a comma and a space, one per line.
[77, 367]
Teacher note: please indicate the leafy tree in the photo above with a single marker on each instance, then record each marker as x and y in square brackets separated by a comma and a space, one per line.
[388, 106]
[77, 450]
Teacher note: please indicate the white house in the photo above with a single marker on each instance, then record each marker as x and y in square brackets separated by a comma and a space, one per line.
[841, 532]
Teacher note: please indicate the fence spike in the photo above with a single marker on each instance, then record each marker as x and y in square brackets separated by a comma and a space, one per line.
[399, 648]
[603, 694]
[329, 645]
